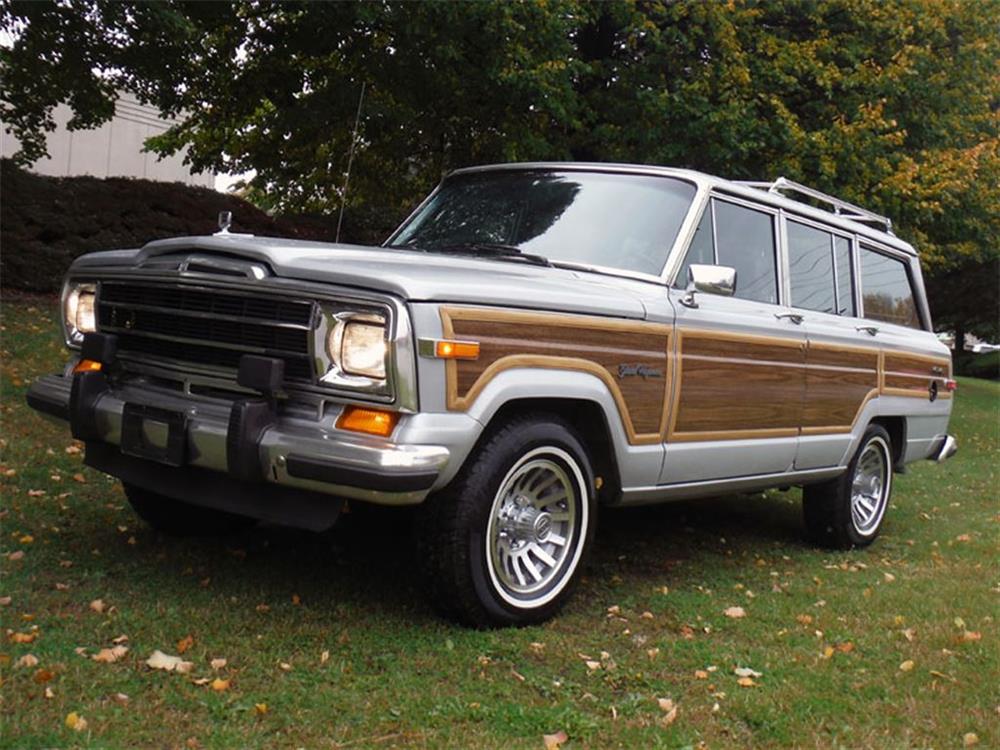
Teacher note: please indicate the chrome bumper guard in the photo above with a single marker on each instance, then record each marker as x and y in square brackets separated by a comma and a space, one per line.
[289, 452]
[949, 447]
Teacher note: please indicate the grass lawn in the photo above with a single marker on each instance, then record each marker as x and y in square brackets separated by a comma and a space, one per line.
[329, 643]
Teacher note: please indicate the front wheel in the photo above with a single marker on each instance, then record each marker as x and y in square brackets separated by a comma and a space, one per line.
[504, 543]
[848, 511]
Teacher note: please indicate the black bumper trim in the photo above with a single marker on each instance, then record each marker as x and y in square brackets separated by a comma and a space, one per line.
[347, 475]
[211, 489]
[38, 402]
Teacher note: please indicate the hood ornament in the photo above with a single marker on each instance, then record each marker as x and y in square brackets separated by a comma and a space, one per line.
[225, 219]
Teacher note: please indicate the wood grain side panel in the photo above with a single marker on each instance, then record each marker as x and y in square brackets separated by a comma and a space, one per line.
[510, 339]
[734, 387]
[840, 380]
[912, 375]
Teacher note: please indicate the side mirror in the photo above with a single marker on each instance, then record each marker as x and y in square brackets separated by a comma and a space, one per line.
[719, 280]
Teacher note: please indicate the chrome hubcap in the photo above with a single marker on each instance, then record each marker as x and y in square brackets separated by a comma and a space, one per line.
[533, 535]
[869, 489]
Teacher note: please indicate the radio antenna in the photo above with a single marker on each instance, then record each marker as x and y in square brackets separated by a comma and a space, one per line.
[350, 160]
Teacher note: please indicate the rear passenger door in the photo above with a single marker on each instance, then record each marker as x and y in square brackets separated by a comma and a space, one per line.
[842, 357]
[739, 374]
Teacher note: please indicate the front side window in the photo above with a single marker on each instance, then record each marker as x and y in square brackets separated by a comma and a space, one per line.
[886, 290]
[741, 238]
[623, 221]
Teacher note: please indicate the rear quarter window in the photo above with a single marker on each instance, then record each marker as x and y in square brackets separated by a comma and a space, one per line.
[886, 290]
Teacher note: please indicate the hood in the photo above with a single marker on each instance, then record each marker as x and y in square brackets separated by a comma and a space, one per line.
[411, 275]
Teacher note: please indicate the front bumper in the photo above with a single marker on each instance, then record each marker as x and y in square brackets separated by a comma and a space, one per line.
[294, 451]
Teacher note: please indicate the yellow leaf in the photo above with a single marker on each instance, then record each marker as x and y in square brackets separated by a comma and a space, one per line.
[27, 539]
[906, 666]
[76, 722]
[260, 708]
[828, 652]
[219, 684]
[746, 682]
[970, 739]
[554, 741]
[669, 709]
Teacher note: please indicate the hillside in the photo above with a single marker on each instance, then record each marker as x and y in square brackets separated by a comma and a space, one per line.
[46, 222]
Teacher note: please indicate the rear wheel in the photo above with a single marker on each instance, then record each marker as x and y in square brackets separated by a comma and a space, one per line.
[504, 543]
[848, 511]
[182, 519]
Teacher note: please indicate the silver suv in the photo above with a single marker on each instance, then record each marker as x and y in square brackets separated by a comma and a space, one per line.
[536, 341]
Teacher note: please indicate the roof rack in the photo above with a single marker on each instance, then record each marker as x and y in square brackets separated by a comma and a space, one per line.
[840, 208]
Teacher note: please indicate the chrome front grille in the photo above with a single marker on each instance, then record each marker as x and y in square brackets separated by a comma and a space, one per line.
[207, 327]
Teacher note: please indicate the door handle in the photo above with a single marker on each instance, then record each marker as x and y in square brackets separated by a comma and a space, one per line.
[794, 317]
[870, 330]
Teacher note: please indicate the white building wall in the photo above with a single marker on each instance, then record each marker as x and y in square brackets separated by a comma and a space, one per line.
[112, 150]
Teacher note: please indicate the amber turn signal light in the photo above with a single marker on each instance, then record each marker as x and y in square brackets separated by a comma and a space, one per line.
[369, 421]
[457, 350]
[87, 365]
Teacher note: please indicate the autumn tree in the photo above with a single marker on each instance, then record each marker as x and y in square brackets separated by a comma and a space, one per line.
[889, 104]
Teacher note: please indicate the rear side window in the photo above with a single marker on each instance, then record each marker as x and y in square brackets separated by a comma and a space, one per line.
[886, 290]
[810, 266]
[741, 238]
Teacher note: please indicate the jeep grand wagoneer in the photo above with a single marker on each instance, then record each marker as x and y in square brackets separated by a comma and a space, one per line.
[535, 342]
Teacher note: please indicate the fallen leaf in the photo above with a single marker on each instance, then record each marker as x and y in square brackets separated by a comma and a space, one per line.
[296, 600]
[537, 648]
[80, 478]
[828, 652]
[804, 619]
[284, 666]
[121, 699]
[22, 637]
[28, 660]
[76, 722]
[669, 709]
[959, 623]
[260, 708]
[324, 657]
[687, 632]
[845, 648]
[700, 674]
[909, 633]
[202, 681]
[36, 493]
[110, 655]
[646, 615]
[5, 601]
[970, 636]
[43, 675]
[970, 739]
[963, 538]
[262, 608]
[747, 672]
[98, 606]
[554, 741]
[218, 684]
[746, 682]
[593, 665]
[16, 555]
[49, 693]
[906, 666]
[735, 612]
[61, 586]
[888, 577]
[652, 653]
[120, 640]
[218, 664]
[27, 539]
[168, 663]
[185, 643]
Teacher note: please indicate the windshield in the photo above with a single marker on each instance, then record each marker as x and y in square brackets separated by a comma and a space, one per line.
[624, 221]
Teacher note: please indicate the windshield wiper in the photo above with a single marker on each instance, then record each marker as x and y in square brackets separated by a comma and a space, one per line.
[485, 250]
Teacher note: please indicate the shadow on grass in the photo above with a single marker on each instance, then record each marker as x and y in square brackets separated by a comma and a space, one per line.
[366, 562]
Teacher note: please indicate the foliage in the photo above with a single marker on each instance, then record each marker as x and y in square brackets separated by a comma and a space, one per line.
[325, 640]
[890, 104]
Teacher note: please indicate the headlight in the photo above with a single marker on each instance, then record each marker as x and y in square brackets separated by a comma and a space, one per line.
[356, 349]
[79, 311]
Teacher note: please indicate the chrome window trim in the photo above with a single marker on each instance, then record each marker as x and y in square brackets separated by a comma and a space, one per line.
[401, 370]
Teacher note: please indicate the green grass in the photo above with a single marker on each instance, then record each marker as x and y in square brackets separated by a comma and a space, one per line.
[399, 676]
